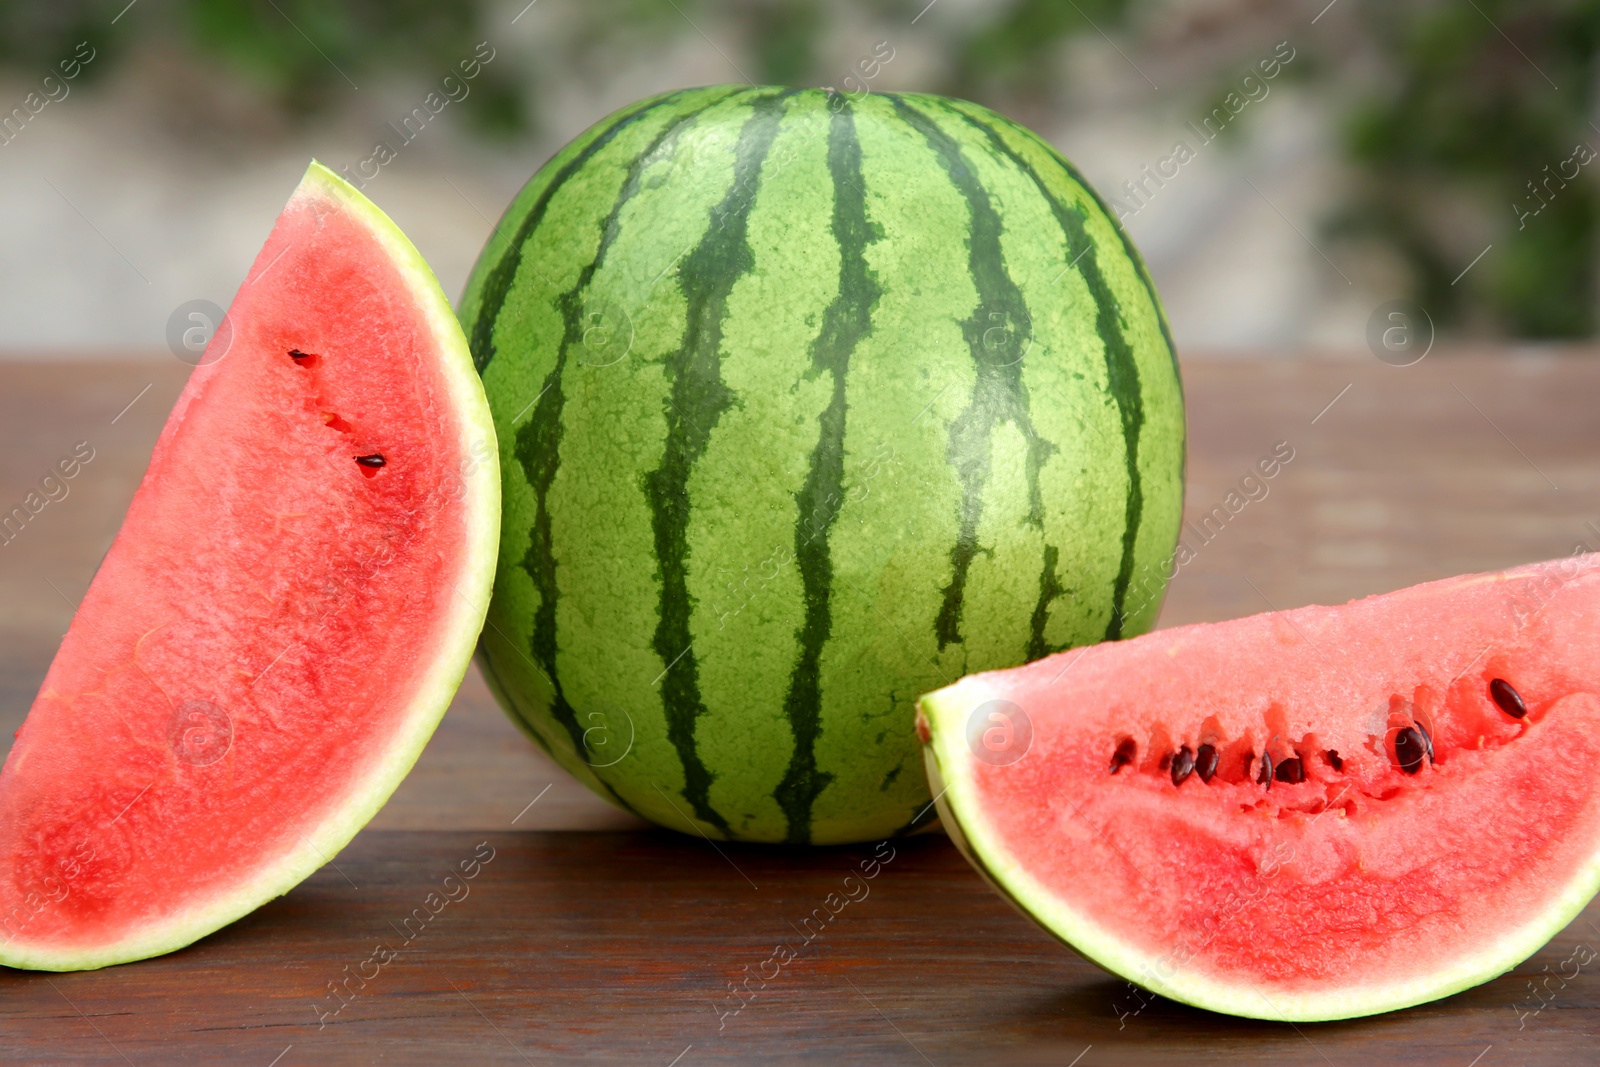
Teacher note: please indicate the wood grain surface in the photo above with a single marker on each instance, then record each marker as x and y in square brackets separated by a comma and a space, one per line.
[587, 938]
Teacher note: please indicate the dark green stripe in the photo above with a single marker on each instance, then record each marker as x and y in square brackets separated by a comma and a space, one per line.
[504, 273]
[1049, 588]
[924, 815]
[846, 321]
[1083, 183]
[1122, 370]
[508, 697]
[538, 444]
[998, 394]
[1131, 252]
[1150, 290]
[695, 403]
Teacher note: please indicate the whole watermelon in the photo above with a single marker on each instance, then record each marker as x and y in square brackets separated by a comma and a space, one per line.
[808, 404]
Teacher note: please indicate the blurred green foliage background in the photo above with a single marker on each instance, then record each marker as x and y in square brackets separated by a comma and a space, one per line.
[1458, 122]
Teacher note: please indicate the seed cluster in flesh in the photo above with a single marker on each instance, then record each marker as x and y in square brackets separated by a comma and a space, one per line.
[1410, 747]
[370, 462]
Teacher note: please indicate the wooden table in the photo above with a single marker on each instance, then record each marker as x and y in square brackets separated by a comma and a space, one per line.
[588, 937]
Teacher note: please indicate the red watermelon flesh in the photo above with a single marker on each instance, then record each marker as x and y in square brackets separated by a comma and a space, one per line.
[1432, 815]
[291, 602]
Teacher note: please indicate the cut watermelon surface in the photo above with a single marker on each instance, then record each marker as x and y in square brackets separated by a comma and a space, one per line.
[283, 618]
[1311, 814]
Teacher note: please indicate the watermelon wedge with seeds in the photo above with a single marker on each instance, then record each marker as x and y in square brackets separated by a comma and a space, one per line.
[283, 618]
[1304, 815]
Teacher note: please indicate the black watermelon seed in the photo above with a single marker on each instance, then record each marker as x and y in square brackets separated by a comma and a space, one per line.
[1427, 741]
[1182, 765]
[374, 460]
[1290, 771]
[1334, 761]
[1509, 699]
[1124, 754]
[1409, 749]
[1205, 762]
[299, 356]
[1265, 777]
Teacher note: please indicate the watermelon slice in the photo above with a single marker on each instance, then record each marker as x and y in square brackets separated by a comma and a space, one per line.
[283, 618]
[1303, 815]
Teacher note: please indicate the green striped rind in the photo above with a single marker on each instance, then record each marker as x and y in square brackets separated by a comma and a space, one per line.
[808, 405]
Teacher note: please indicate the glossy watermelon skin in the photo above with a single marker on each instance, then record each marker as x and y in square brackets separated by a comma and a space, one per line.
[807, 404]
